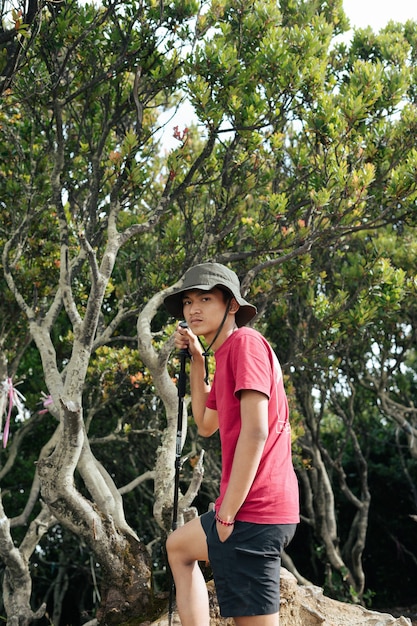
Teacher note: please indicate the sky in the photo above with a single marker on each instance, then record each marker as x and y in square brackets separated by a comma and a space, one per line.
[377, 13]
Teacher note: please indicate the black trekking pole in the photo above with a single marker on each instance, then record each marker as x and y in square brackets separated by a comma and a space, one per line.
[184, 354]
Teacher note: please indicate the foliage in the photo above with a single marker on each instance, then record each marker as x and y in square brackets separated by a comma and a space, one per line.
[299, 171]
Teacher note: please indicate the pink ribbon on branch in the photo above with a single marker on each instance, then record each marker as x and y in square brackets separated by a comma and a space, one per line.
[10, 397]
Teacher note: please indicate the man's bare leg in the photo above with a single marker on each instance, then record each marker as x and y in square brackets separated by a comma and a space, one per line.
[185, 547]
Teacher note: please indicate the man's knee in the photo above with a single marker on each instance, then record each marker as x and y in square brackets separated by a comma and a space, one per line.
[171, 544]
[175, 547]
[187, 544]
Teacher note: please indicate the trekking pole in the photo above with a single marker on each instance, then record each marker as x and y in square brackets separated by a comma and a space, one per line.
[178, 449]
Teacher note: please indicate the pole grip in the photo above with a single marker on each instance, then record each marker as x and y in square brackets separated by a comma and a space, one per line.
[182, 376]
[184, 351]
[184, 354]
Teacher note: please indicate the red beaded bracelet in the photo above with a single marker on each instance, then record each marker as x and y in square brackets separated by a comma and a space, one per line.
[222, 522]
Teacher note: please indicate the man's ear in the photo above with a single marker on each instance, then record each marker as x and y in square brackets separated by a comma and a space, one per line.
[234, 306]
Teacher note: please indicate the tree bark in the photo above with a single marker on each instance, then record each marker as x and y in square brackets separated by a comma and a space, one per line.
[156, 362]
[17, 582]
[126, 564]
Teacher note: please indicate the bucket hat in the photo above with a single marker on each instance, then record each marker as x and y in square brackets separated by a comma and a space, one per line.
[206, 276]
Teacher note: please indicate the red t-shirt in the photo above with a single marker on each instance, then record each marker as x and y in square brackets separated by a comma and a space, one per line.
[246, 361]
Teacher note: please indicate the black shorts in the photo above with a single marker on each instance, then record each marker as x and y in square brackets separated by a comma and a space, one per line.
[246, 567]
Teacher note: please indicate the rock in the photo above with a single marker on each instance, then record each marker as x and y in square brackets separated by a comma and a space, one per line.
[308, 606]
[304, 606]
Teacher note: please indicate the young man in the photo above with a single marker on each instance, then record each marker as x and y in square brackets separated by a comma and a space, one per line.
[257, 511]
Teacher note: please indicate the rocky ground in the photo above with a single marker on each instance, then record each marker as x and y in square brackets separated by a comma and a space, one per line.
[308, 606]
[409, 611]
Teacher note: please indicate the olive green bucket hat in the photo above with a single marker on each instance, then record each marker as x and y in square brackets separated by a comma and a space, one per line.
[206, 276]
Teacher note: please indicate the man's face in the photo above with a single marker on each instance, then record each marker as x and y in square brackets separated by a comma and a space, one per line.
[204, 310]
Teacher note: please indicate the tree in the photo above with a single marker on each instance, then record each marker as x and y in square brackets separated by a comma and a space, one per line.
[344, 321]
[298, 146]
[19, 26]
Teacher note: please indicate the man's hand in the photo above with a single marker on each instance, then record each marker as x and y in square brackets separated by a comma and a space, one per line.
[224, 532]
[185, 339]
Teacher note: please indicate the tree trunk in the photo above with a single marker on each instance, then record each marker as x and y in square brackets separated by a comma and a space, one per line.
[126, 592]
[127, 589]
[17, 582]
[156, 362]
[320, 506]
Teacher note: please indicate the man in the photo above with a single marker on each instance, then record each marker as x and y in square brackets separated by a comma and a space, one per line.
[257, 510]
